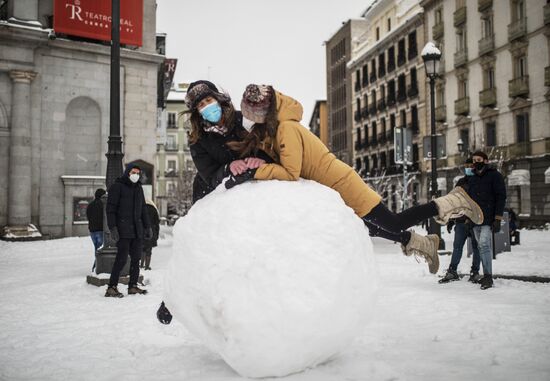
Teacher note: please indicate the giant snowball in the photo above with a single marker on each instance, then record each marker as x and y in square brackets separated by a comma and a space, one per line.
[274, 276]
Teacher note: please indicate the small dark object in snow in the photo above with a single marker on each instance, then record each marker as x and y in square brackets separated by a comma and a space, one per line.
[163, 315]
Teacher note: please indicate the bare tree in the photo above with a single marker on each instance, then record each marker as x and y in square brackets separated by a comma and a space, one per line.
[181, 199]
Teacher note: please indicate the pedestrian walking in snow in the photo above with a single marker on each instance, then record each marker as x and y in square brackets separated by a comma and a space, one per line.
[94, 214]
[301, 154]
[487, 188]
[463, 230]
[129, 225]
[148, 244]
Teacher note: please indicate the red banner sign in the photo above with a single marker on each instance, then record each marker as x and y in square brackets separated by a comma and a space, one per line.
[92, 19]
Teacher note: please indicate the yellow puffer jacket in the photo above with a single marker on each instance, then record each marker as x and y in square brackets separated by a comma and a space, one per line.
[302, 154]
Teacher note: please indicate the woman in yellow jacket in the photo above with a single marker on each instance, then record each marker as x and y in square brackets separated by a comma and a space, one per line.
[299, 153]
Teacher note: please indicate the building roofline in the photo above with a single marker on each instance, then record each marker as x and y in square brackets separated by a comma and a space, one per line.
[317, 102]
[419, 17]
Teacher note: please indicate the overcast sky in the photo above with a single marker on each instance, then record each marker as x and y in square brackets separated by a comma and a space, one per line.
[237, 42]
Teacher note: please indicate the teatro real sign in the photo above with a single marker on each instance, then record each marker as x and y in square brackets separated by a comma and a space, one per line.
[92, 19]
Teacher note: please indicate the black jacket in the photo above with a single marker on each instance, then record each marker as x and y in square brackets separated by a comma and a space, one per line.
[212, 158]
[94, 214]
[126, 208]
[154, 220]
[489, 191]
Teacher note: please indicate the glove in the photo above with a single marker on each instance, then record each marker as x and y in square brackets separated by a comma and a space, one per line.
[239, 179]
[114, 234]
[450, 226]
[496, 225]
[148, 234]
[163, 315]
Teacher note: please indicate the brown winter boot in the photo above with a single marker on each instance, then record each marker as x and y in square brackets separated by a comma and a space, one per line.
[113, 292]
[134, 289]
[424, 247]
[457, 203]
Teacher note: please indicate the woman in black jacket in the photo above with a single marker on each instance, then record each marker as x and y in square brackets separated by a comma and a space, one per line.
[215, 127]
[214, 124]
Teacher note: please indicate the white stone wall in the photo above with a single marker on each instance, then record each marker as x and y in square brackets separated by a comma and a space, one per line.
[69, 107]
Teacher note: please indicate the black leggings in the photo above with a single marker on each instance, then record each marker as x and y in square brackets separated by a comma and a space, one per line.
[393, 226]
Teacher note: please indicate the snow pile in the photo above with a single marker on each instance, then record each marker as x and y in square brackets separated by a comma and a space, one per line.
[274, 276]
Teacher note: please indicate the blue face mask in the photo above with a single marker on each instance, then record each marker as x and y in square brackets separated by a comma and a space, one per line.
[469, 171]
[212, 112]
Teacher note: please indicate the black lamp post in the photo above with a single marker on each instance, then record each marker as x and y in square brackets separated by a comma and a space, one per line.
[431, 56]
[106, 254]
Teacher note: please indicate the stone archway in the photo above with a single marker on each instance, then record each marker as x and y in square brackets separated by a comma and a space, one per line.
[82, 143]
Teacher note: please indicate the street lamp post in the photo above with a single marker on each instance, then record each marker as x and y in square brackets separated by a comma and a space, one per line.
[106, 254]
[431, 56]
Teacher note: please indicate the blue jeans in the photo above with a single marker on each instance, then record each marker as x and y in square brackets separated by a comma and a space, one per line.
[461, 234]
[97, 239]
[484, 238]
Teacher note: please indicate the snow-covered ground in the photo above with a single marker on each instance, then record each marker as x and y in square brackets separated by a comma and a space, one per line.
[54, 326]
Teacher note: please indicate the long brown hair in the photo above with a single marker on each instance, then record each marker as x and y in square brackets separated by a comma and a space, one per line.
[252, 140]
[198, 123]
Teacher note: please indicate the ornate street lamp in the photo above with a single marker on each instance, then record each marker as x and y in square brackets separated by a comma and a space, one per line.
[105, 255]
[432, 56]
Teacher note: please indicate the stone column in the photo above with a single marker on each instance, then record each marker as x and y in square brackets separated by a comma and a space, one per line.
[19, 192]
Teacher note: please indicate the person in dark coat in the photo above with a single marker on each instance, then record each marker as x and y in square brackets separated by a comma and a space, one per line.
[148, 244]
[487, 188]
[129, 225]
[94, 214]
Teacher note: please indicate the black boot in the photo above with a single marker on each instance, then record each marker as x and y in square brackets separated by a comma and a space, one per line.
[147, 265]
[474, 277]
[486, 281]
[450, 276]
[163, 315]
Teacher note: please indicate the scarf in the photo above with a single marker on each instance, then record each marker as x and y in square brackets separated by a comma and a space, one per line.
[222, 130]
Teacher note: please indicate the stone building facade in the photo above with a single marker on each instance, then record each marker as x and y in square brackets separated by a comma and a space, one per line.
[387, 77]
[494, 91]
[318, 123]
[339, 91]
[54, 116]
[175, 167]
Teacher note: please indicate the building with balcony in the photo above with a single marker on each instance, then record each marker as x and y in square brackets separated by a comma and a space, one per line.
[491, 93]
[54, 109]
[339, 88]
[387, 77]
[175, 168]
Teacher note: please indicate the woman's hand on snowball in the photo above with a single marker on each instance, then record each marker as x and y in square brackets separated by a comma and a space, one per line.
[237, 167]
[254, 162]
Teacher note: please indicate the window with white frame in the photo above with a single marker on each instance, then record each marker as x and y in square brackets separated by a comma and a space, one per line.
[172, 120]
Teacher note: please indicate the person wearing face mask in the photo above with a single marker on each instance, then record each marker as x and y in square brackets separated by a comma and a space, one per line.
[301, 154]
[463, 230]
[217, 131]
[487, 188]
[214, 124]
[129, 225]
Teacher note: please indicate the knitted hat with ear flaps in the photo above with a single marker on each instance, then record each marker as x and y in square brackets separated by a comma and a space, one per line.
[199, 90]
[256, 101]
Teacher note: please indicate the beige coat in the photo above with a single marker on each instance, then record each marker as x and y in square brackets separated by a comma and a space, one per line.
[302, 154]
